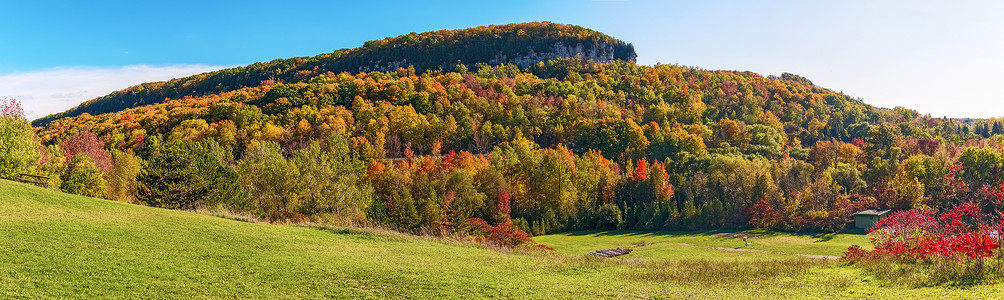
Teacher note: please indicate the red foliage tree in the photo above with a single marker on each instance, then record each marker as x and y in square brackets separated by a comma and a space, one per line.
[858, 142]
[763, 215]
[502, 208]
[374, 169]
[641, 171]
[504, 233]
[85, 142]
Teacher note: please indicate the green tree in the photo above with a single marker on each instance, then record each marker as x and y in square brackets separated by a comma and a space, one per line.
[53, 165]
[980, 166]
[847, 177]
[181, 174]
[611, 137]
[122, 184]
[402, 210]
[270, 180]
[469, 201]
[328, 182]
[82, 177]
[688, 216]
[18, 147]
[765, 141]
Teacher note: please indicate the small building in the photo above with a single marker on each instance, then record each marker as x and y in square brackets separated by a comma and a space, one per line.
[868, 218]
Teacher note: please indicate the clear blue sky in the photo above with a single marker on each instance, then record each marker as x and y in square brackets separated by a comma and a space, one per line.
[938, 58]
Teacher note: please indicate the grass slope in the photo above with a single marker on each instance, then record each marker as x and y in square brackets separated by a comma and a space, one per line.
[54, 245]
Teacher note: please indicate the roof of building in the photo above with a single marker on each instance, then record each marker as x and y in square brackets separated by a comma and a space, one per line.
[873, 212]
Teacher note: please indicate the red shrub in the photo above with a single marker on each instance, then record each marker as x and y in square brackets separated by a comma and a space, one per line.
[960, 233]
[856, 253]
[504, 233]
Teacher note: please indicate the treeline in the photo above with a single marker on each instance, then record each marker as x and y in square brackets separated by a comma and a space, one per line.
[593, 146]
[438, 50]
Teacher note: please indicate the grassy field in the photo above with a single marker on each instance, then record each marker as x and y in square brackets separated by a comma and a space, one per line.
[718, 245]
[54, 245]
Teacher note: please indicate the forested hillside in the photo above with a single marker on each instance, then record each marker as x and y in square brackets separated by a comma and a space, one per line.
[502, 149]
[522, 44]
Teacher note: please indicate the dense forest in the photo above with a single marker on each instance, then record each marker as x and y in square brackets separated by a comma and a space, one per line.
[507, 149]
[521, 44]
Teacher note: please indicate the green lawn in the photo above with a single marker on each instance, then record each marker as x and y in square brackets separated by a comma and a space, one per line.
[707, 244]
[54, 245]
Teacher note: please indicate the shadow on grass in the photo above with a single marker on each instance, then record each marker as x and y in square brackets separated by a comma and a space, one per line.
[342, 231]
[824, 237]
[638, 233]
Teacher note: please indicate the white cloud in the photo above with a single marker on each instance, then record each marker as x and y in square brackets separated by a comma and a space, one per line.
[50, 91]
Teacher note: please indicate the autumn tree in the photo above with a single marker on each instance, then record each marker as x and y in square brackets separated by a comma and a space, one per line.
[271, 181]
[82, 177]
[87, 143]
[122, 184]
[18, 144]
[328, 182]
[980, 166]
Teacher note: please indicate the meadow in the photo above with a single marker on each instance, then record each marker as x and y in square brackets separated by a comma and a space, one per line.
[56, 245]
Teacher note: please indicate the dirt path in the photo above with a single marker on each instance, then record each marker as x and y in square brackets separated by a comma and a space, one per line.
[775, 252]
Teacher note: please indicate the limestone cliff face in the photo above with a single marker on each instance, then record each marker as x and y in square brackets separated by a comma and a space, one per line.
[602, 53]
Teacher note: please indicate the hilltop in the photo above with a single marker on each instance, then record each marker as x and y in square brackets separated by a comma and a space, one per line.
[522, 44]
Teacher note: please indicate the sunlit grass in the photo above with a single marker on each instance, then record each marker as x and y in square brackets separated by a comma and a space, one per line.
[582, 242]
[54, 245]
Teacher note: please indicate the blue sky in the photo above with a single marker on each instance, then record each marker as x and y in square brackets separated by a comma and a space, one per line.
[939, 58]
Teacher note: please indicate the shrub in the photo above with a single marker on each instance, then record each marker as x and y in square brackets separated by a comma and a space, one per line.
[504, 233]
[960, 233]
[927, 247]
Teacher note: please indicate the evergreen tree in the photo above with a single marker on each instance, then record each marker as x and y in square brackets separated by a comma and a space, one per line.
[182, 174]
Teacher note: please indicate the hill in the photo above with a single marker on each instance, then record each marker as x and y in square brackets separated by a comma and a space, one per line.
[522, 44]
[503, 150]
[58, 246]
